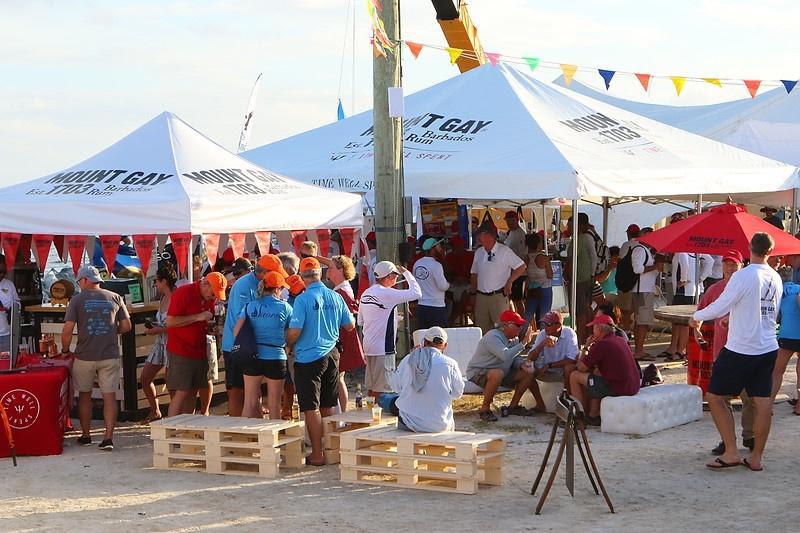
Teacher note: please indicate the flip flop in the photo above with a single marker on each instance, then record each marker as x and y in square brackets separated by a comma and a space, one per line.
[646, 357]
[146, 421]
[748, 465]
[722, 464]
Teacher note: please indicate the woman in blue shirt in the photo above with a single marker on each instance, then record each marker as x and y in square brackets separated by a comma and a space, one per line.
[268, 316]
[788, 337]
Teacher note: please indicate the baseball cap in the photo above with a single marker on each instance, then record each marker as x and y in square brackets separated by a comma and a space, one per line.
[429, 243]
[511, 214]
[271, 263]
[227, 255]
[552, 317]
[370, 236]
[275, 279]
[384, 268]
[732, 255]
[633, 229]
[218, 284]
[434, 333]
[510, 316]
[89, 273]
[601, 319]
[309, 263]
[296, 285]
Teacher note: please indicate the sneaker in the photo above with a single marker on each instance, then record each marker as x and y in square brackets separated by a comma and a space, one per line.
[106, 445]
[504, 411]
[84, 440]
[719, 450]
[749, 444]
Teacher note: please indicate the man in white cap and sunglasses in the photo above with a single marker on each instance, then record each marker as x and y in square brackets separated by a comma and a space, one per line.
[378, 318]
[429, 273]
[426, 382]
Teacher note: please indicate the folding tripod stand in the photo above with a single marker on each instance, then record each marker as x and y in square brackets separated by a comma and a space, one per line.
[570, 411]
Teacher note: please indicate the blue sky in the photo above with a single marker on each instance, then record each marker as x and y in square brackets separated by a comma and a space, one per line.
[76, 76]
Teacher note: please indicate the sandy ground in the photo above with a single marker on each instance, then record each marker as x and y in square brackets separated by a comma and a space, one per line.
[656, 483]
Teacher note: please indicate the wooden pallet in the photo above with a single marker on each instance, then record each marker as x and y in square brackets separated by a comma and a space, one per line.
[454, 461]
[333, 426]
[227, 445]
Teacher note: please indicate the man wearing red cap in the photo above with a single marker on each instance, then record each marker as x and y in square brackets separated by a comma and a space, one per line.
[190, 311]
[609, 369]
[515, 239]
[497, 362]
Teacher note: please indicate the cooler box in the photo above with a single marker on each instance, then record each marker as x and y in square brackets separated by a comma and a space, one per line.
[37, 403]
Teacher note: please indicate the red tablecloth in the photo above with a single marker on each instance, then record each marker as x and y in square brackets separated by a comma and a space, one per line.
[37, 402]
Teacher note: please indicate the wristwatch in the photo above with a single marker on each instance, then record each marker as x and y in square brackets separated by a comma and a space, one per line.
[65, 351]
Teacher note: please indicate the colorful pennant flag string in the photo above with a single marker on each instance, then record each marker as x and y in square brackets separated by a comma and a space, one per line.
[678, 82]
[607, 76]
[455, 53]
[644, 79]
[713, 81]
[493, 58]
[569, 73]
[752, 87]
[788, 85]
[415, 48]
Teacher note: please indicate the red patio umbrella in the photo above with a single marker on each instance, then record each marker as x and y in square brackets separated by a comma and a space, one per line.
[722, 228]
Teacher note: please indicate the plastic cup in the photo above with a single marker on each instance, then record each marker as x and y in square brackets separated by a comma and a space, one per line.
[370, 402]
[128, 299]
[376, 414]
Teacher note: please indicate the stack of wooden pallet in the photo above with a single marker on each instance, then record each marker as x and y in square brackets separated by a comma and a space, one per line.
[455, 461]
[227, 445]
[333, 426]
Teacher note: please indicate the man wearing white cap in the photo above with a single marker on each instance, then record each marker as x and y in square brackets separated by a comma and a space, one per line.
[429, 273]
[377, 316]
[426, 382]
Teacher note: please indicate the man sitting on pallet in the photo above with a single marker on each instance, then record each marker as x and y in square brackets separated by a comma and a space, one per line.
[427, 381]
[496, 363]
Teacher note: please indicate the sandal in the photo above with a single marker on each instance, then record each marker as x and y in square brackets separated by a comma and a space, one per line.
[487, 416]
[146, 421]
[519, 410]
[674, 358]
[665, 354]
[504, 411]
[646, 357]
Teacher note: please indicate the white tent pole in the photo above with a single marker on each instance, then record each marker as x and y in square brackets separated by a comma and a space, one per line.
[605, 219]
[469, 226]
[793, 224]
[545, 225]
[190, 265]
[573, 289]
[696, 295]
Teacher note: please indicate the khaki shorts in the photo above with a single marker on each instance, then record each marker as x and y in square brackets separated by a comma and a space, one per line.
[187, 374]
[106, 371]
[479, 376]
[625, 301]
[643, 308]
[377, 372]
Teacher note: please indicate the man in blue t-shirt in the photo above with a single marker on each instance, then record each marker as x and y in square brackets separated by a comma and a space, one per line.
[317, 315]
[244, 291]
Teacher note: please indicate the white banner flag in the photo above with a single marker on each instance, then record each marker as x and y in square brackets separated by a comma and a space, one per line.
[248, 117]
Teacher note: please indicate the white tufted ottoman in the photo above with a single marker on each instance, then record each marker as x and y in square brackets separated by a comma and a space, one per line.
[653, 409]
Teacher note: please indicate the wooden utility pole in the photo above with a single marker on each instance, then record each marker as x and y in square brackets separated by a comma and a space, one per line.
[388, 139]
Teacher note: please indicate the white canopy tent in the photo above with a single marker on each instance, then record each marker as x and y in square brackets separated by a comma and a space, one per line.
[166, 177]
[496, 133]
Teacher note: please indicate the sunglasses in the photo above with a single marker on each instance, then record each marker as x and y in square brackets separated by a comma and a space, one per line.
[490, 256]
[548, 324]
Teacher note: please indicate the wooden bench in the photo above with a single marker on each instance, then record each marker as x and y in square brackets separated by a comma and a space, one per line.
[333, 426]
[227, 445]
[454, 461]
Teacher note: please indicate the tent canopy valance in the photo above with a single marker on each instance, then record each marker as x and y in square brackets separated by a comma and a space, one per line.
[166, 177]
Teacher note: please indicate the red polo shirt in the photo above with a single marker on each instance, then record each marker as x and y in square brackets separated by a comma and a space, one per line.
[188, 341]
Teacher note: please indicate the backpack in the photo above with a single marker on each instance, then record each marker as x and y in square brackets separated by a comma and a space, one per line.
[626, 279]
[245, 347]
[603, 255]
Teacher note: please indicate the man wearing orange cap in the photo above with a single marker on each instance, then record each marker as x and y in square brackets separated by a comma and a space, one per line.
[190, 311]
[317, 315]
[245, 290]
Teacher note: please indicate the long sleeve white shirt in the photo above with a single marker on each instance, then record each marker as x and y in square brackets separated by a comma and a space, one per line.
[377, 315]
[430, 275]
[753, 297]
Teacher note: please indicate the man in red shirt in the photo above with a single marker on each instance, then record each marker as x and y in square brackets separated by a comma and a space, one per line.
[457, 264]
[190, 311]
[609, 369]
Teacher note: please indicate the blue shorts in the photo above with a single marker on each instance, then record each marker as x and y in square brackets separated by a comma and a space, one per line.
[733, 372]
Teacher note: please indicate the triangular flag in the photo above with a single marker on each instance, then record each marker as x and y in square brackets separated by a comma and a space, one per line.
[789, 85]
[644, 79]
[569, 73]
[347, 240]
[110, 245]
[61, 250]
[340, 111]
[144, 244]
[75, 246]
[324, 240]
[713, 81]
[454, 54]
[237, 243]
[607, 76]
[10, 243]
[211, 241]
[42, 244]
[752, 86]
[532, 62]
[181, 243]
[264, 240]
[493, 58]
[678, 82]
[415, 48]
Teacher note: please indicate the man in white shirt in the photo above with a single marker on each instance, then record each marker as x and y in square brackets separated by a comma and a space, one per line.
[495, 267]
[554, 352]
[515, 239]
[648, 268]
[377, 316]
[625, 298]
[426, 382]
[429, 273]
[752, 297]
[8, 297]
[686, 287]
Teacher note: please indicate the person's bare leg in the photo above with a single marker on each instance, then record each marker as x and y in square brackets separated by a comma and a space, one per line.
[85, 412]
[522, 382]
[109, 413]
[577, 388]
[252, 397]
[493, 379]
[537, 396]
[288, 400]
[274, 393]
[342, 393]
[149, 372]
[179, 401]
[639, 338]
[723, 420]
[781, 363]
[205, 398]
[761, 428]
[683, 339]
[314, 427]
[594, 407]
[797, 385]
[236, 401]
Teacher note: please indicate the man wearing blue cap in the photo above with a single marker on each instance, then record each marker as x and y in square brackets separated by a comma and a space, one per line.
[429, 273]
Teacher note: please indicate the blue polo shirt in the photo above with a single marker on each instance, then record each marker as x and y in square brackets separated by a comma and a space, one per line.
[243, 291]
[269, 317]
[318, 312]
[790, 312]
